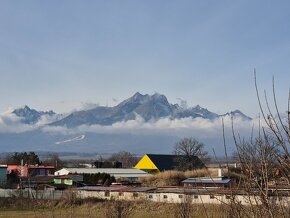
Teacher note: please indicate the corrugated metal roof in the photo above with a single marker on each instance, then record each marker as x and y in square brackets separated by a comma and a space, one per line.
[168, 161]
[184, 190]
[101, 188]
[139, 189]
[206, 181]
[163, 161]
[117, 172]
[146, 189]
[117, 188]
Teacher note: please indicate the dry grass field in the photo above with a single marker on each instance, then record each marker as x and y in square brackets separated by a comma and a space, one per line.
[161, 211]
[107, 209]
[95, 208]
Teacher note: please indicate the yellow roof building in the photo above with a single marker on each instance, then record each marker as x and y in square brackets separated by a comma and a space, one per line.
[154, 163]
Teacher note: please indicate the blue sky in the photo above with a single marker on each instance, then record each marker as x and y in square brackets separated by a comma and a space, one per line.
[62, 55]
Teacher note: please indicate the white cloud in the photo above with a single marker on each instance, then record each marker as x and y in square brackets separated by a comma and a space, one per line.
[58, 130]
[46, 119]
[183, 103]
[89, 105]
[198, 127]
[204, 130]
[10, 123]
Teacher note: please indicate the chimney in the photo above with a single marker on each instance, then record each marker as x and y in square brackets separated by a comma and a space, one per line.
[21, 168]
[220, 172]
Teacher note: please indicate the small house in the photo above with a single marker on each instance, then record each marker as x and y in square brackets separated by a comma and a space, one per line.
[68, 179]
[3, 175]
[30, 170]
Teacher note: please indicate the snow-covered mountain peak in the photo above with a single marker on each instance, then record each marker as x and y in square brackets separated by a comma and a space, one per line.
[159, 97]
[148, 107]
[31, 116]
[137, 96]
[236, 113]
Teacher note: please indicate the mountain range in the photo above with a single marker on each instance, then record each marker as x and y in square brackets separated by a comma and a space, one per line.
[140, 124]
[148, 107]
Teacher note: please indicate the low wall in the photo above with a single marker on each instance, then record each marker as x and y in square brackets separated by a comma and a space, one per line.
[179, 197]
[133, 196]
[34, 194]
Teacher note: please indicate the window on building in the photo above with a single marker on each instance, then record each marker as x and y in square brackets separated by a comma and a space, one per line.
[180, 196]
[135, 195]
[150, 196]
[211, 196]
[164, 196]
[121, 193]
[107, 193]
[195, 196]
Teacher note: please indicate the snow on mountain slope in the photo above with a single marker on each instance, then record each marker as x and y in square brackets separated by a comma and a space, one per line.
[149, 107]
[236, 114]
[31, 116]
[78, 138]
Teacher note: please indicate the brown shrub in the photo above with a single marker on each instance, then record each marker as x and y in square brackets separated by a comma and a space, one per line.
[118, 209]
[174, 177]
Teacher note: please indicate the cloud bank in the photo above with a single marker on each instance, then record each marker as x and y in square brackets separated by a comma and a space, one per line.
[161, 135]
[197, 127]
[11, 123]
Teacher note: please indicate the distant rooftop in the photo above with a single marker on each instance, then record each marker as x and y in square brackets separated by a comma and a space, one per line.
[116, 172]
[206, 181]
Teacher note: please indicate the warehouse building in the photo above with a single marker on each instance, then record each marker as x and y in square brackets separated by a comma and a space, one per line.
[116, 172]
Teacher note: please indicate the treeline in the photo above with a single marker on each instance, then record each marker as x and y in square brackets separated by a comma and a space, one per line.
[31, 158]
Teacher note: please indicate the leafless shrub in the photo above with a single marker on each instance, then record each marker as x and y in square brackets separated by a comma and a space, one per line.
[174, 177]
[70, 197]
[126, 158]
[265, 165]
[118, 209]
[190, 154]
[200, 173]
[184, 208]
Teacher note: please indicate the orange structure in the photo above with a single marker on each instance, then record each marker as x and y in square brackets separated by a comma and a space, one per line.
[30, 170]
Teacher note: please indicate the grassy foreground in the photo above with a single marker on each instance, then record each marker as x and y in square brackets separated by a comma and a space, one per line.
[95, 208]
[84, 211]
[90, 208]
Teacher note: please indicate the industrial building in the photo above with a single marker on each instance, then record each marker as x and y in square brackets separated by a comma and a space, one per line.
[116, 172]
[155, 163]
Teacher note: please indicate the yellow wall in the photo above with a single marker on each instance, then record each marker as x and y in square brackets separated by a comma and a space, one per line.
[146, 164]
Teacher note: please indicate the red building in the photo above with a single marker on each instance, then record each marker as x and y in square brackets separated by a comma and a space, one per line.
[30, 170]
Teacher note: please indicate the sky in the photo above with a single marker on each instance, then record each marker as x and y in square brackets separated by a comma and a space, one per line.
[66, 55]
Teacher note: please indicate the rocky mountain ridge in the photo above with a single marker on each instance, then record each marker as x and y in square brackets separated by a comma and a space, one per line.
[148, 107]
